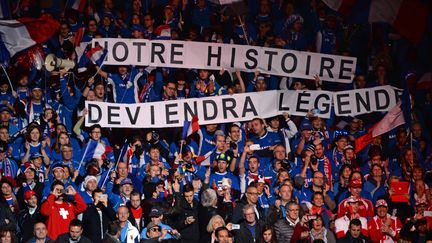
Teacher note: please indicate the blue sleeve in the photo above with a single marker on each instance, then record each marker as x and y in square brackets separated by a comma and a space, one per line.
[69, 101]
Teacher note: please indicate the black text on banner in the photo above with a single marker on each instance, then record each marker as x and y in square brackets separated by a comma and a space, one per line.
[182, 54]
[240, 107]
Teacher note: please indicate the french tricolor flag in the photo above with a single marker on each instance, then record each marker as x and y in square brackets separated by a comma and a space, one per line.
[96, 150]
[190, 127]
[408, 17]
[394, 118]
[97, 55]
[20, 34]
[79, 5]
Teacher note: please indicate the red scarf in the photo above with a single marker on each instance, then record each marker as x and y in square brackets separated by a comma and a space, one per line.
[137, 212]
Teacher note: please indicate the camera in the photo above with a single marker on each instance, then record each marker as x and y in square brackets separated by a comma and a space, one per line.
[314, 159]
[233, 145]
[175, 236]
[286, 165]
[154, 137]
[188, 166]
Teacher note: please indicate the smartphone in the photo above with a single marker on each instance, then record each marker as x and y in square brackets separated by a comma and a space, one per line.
[312, 217]
[427, 213]
[103, 197]
[235, 226]
[255, 147]
[190, 218]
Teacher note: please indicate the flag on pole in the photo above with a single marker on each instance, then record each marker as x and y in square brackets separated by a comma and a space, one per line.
[20, 34]
[190, 127]
[96, 150]
[393, 119]
[97, 55]
[79, 36]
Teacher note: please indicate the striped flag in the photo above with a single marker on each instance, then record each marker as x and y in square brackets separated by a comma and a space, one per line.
[393, 119]
[20, 34]
[190, 127]
[97, 55]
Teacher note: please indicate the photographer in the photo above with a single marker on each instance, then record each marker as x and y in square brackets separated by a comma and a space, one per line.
[153, 140]
[60, 212]
[97, 216]
[187, 213]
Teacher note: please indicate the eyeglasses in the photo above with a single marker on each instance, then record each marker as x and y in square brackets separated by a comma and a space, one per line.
[156, 229]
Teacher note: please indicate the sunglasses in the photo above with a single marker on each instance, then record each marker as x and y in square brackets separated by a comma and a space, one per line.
[155, 229]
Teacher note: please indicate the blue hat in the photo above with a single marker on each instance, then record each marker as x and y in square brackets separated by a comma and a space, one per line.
[137, 27]
[58, 166]
[155, 212]
[5, 108]
[35, 156]
[36, 86]
[126, 181]
[305, 126]
[293, 19]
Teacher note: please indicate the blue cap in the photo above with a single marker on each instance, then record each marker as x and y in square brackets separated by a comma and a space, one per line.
[305, 126]
[35, 156]
[126, 181]
[5, 108]
[137, 27]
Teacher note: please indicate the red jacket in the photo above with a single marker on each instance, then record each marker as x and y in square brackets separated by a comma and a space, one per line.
[60, 215]
[366, 208]
[375, 234]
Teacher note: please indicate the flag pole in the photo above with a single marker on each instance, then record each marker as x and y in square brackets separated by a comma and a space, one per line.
[84, 155]
[7, 76]
[115, 166]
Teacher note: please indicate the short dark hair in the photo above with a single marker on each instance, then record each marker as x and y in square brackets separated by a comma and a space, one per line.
[355, 222]
[55, 183]
[220, 229]
[113, 227]
[97, 190]
[135, 193]
[75, 222]
[188, 188]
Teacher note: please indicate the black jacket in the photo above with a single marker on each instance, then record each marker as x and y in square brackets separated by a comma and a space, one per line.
[349, 239]
[64, 238]
[204, 216]
[190, 233]
[91, 222]
[243, 235]
[26, 222]
[238, 211]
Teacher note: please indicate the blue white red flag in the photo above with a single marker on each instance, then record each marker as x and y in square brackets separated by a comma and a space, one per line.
[97, 55]
[190, 127]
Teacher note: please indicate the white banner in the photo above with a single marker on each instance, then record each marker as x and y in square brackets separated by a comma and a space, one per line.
[239, 107]
[215, 56]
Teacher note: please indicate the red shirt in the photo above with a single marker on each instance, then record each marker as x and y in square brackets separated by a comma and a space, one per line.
[60, 215]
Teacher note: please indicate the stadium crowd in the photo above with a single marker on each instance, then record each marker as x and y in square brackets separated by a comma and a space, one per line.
[281, 179]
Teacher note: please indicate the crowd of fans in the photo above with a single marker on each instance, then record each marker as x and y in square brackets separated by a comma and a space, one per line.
[282, 179]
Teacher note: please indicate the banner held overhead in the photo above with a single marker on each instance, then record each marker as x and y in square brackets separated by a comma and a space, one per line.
[240, 107]
[215, 56]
